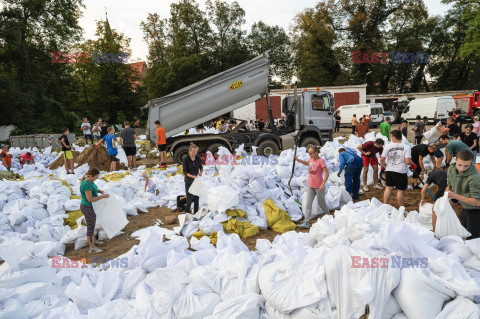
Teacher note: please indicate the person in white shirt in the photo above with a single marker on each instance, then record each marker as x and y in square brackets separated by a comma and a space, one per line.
[395, 158]
[86, 128]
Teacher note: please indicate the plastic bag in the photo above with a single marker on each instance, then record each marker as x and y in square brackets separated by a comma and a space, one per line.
[12, 309]
[110, 215]
[447, 221]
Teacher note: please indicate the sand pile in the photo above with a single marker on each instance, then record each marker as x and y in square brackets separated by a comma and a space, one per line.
[95, 158]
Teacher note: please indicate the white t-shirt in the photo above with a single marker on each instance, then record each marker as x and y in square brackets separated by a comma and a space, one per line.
[88, 126]
[395, 154]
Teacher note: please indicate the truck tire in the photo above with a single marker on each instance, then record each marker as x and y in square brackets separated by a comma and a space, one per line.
[308, 141]
[267, 148]
[180, 153]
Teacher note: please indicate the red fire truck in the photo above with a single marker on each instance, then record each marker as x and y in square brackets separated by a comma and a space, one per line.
[469, 104]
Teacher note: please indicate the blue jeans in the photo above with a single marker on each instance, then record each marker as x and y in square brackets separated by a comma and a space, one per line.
[352, 177]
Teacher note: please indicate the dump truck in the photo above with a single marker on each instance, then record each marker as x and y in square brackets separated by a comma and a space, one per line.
[309, 115]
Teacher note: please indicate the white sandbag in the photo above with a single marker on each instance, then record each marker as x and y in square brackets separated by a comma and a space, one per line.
[455, 245]
[110, 215]
[245, 306]
[425, 212]
[118, 308]
[81, 242]
[193, 305]
[221, 198]
[36, 307]
[460, 308]
[134, 277]
[71, 205]
[11, 279]
[12, 309]
[198, 188]
[447, 221]
[29, 291]
[287, 285]
[430, 133]
[414, 282]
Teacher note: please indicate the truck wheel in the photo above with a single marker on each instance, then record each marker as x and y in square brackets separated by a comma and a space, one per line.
[267, 148]
[213, 148]
[308, 141]
[180, 153]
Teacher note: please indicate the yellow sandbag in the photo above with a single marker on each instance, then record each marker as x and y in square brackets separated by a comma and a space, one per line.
[243, 229]
[213, 237]
[278, 219]
[115, 176]
[236, 212]
[75, 197]
[71, 221]
[169, 175]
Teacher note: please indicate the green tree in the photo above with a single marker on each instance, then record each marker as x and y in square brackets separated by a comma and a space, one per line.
[263, 37]
[34, 92]
[313, 43]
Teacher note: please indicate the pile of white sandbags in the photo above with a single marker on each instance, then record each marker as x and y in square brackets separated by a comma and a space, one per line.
[363, 256]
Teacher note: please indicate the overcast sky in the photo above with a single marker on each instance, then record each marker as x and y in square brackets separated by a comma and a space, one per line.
[125, 16]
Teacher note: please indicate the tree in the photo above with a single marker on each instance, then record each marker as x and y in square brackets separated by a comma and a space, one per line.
[104, 85]
[34, 90]
[313, 42]
[262, 38]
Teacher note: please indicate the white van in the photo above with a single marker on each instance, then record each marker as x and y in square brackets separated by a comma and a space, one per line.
[432, 109]
[374, 109]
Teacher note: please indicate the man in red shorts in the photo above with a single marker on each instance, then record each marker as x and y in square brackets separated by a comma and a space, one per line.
[369, 152]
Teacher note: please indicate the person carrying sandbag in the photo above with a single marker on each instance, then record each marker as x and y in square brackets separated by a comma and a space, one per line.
[353, 165]
[463, 185]
[316, 183]
[89, 193]
[192, 168]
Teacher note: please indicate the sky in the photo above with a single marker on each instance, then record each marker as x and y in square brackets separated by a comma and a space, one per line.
[125, 16]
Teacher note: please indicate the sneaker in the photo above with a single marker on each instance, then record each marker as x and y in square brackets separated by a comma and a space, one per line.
[416, 187]
[365, 188]
[97, 242]
[95, 249]
[304, 225]
[360, 192]
[377, 186]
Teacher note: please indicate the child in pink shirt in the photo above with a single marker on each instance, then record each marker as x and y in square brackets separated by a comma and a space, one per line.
[316, 183]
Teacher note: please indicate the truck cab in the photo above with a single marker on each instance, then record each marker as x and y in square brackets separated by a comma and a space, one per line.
[313, 120]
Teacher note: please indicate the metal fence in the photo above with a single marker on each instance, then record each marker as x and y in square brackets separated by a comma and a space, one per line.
[39, 141]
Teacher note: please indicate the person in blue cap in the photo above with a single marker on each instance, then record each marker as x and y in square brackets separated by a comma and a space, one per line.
[353, 164]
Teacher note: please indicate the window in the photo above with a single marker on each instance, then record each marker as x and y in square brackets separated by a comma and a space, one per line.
[320, 103]
[376, 110]
[476, 97]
